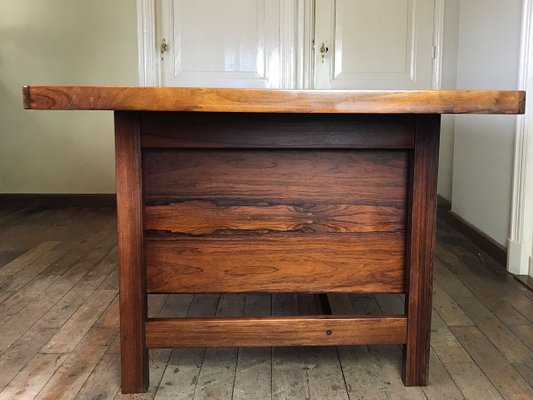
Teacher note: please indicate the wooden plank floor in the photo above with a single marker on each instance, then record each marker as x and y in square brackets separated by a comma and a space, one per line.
[59, 327]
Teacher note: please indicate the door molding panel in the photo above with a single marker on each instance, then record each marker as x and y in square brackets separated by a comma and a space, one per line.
[175, 71]
[276, 60]
[405, 57]
[409, 72]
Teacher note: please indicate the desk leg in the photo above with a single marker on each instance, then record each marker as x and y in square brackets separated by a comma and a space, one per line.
[420, 244]
[132, 275]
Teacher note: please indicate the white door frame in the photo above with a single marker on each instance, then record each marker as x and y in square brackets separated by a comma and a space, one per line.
[520, 243]
[299, 60]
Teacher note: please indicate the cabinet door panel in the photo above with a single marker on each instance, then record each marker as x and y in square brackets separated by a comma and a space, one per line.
[216, 43]
[384, 44]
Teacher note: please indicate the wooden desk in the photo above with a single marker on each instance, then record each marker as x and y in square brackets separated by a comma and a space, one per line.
[242, 190]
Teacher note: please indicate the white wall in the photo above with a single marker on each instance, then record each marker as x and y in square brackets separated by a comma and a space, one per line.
[488, 58]
[61, 42]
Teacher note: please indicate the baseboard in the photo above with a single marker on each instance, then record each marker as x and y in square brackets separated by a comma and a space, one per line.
[443, 204]
[492, 248]
[525, 280]
[58, 200]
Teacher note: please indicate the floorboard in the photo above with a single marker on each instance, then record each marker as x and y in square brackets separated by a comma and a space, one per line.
[59, 322]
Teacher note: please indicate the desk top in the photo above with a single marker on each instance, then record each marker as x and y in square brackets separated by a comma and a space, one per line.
[273, 100]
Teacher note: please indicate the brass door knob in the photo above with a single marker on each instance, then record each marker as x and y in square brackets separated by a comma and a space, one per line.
[323, 50]
[164, 46]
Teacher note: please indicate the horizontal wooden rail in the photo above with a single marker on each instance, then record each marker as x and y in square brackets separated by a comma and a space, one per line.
[287, 131]
[276, 331]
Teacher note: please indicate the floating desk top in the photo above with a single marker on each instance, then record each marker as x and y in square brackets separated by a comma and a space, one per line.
[304, 196]
[273, 101]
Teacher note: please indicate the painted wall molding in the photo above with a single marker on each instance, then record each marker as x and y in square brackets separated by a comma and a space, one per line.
[295, 59]
[520, 243]
[288, 30]
[148, 55]
[438, 42]
[305, 35]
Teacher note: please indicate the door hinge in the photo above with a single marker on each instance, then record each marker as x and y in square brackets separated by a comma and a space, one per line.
[434, 52]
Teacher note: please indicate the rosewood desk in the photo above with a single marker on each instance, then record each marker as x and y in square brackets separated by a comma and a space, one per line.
[245, 190]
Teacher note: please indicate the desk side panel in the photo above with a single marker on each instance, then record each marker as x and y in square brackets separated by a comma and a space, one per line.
[275, 220]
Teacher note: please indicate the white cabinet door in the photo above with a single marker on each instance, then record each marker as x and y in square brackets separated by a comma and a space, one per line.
[374, 44]
[213, 43]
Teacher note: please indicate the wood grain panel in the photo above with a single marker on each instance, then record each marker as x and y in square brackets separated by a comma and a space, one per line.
[275, 331]
[246, 130]
[341, 176]
[206, 217]
[277, 263]
[273, 101]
